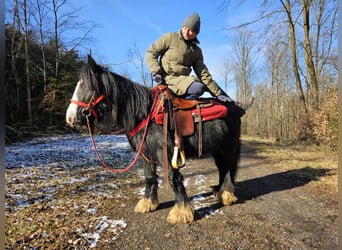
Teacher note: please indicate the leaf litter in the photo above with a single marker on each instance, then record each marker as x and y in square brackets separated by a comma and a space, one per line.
[56, 191]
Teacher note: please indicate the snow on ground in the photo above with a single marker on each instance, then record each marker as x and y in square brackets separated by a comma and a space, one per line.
[66, 150]
[40, 162]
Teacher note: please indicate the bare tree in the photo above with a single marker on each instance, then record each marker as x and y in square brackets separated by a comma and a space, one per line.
[138, 61]
[243, 65]
[41, 11]
[293, 46]
[243, 62]
[312, 35]
[309, 29]
[310, 67]
[15, 49]
[27, 63]
[64, 21]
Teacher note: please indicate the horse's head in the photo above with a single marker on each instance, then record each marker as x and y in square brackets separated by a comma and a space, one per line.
[89, 99]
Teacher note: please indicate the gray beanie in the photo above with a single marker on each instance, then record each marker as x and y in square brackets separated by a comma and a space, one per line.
[193, 22]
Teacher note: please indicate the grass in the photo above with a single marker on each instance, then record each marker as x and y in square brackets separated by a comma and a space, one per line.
[299, 156]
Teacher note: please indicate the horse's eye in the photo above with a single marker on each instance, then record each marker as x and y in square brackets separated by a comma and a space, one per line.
[82, 85]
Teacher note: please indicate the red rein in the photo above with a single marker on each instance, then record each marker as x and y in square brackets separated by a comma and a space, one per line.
[90, 107]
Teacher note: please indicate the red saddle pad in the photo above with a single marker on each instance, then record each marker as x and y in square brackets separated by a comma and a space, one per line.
[215, 111]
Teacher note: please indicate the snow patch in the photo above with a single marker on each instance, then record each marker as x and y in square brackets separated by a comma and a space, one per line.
[64, 150]
[103, 223]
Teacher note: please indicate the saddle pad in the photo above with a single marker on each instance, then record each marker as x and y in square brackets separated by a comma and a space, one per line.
[215, 111]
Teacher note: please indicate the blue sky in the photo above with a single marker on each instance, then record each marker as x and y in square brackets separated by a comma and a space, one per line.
[128, 24]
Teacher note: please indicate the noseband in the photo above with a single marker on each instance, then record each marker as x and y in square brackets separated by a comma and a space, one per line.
[89, 107]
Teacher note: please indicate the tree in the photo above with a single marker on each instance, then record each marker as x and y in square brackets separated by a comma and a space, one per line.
[293, 46]
[27, 63]
[243, 62]
[140, 65]
[309, 40]
[40, 20]
[31, 83]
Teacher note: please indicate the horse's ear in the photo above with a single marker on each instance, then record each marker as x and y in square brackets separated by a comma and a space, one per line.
[92, 64]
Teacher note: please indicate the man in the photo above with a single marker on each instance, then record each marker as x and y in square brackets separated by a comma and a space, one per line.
[171, 59]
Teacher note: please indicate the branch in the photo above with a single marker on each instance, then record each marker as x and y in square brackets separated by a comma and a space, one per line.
[254, 21]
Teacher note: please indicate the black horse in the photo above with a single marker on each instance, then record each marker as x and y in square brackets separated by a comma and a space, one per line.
[119, 103]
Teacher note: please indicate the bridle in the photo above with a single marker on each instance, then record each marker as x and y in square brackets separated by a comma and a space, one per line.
[89, 108]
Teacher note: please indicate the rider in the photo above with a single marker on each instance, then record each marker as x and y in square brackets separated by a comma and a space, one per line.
[171, 58]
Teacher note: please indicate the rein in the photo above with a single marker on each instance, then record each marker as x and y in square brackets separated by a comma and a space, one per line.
[87, 115]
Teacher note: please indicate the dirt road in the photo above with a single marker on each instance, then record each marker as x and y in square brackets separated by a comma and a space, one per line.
[284, 202]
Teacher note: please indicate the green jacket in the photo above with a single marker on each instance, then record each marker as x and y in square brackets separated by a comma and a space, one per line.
[177, 57]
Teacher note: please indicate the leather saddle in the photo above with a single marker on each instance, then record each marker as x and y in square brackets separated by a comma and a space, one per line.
[183, 113]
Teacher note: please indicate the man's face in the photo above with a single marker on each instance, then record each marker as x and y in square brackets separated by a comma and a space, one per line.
[187, 33]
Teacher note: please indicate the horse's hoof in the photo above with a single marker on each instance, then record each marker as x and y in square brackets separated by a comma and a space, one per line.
[146, 205]
[227, 198]
[181, 214]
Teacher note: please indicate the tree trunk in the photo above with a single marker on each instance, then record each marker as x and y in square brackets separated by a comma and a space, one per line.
[310, 67]
[14, 73]
[40, 9]
[295, 69]
[27, 65]
[56, 39]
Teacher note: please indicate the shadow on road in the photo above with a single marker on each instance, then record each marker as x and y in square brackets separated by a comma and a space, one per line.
[253, 188]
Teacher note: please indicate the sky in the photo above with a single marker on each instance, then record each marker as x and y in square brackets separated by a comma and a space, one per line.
[125, 25]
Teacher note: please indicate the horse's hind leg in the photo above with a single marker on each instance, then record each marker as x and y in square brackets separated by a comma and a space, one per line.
[183, 211]
[227, 166]
[150, 200]
[226, 192]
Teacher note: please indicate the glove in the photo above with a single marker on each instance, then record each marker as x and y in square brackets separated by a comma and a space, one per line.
[224, 98]
[158, 78]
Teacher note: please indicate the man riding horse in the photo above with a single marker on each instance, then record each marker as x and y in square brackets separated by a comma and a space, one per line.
[171, 59]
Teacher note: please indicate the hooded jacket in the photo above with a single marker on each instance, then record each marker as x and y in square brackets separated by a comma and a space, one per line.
[174, 58]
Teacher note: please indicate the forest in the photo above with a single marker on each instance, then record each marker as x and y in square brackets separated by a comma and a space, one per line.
[295, 102]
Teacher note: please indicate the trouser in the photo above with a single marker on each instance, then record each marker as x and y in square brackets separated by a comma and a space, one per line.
[195, 90]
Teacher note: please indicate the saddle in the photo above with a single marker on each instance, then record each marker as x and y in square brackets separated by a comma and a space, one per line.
[187, 112]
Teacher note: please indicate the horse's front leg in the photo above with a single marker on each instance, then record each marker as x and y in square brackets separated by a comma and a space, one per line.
[150, 200]
[183, 211]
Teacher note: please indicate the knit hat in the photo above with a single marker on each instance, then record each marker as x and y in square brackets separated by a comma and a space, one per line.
[193, 22]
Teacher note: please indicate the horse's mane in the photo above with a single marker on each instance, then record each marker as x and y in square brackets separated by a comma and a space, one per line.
[131, 101]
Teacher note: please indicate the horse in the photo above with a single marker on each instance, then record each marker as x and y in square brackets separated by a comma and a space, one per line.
[119, 103]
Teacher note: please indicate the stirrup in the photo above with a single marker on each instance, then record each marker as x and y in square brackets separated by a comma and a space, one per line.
[178, 162]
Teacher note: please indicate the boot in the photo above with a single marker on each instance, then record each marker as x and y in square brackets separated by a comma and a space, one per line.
[246, 105]
[239, 108]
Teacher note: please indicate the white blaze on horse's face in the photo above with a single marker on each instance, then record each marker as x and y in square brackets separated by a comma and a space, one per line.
[71, 114]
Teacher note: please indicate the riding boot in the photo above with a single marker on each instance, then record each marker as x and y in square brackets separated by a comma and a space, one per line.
[245, 105]
[239, 108]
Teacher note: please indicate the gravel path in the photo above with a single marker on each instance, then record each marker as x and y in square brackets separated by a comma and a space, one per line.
[58, 197]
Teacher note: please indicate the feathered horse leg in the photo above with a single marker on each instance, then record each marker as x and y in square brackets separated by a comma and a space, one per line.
[183, 211]
[150, 200]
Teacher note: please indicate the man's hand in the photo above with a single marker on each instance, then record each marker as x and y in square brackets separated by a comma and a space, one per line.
[158, 78]
[224, 98]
